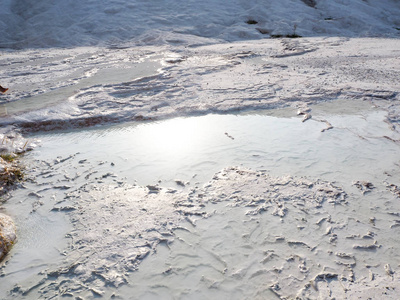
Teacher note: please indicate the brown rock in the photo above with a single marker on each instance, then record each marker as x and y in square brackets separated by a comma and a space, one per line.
[3, 90]
[7, 234]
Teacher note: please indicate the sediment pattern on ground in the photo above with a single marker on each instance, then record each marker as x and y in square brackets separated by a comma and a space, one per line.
[294, 237]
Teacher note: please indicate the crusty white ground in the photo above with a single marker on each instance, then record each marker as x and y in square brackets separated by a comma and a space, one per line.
[245, 234]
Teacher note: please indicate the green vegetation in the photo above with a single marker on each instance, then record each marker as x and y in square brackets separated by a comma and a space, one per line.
[10, 176]
[8, 157]
[11, 172]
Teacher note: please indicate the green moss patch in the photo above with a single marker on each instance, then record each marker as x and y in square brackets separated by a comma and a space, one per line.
[8, 157]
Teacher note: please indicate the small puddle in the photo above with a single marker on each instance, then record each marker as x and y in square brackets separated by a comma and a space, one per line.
[104, 76]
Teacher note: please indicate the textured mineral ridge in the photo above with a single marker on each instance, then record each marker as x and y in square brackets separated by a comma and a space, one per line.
[7, 234]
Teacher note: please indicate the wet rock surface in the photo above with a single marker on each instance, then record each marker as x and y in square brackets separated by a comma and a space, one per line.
[211, 79]
[266, 236]
[299, 237]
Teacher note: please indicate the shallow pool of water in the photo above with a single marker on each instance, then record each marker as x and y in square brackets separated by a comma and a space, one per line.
[192, 149]
[184, 153]
[80, 80]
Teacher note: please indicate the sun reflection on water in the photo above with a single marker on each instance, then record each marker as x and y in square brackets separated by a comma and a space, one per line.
[175, 137]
